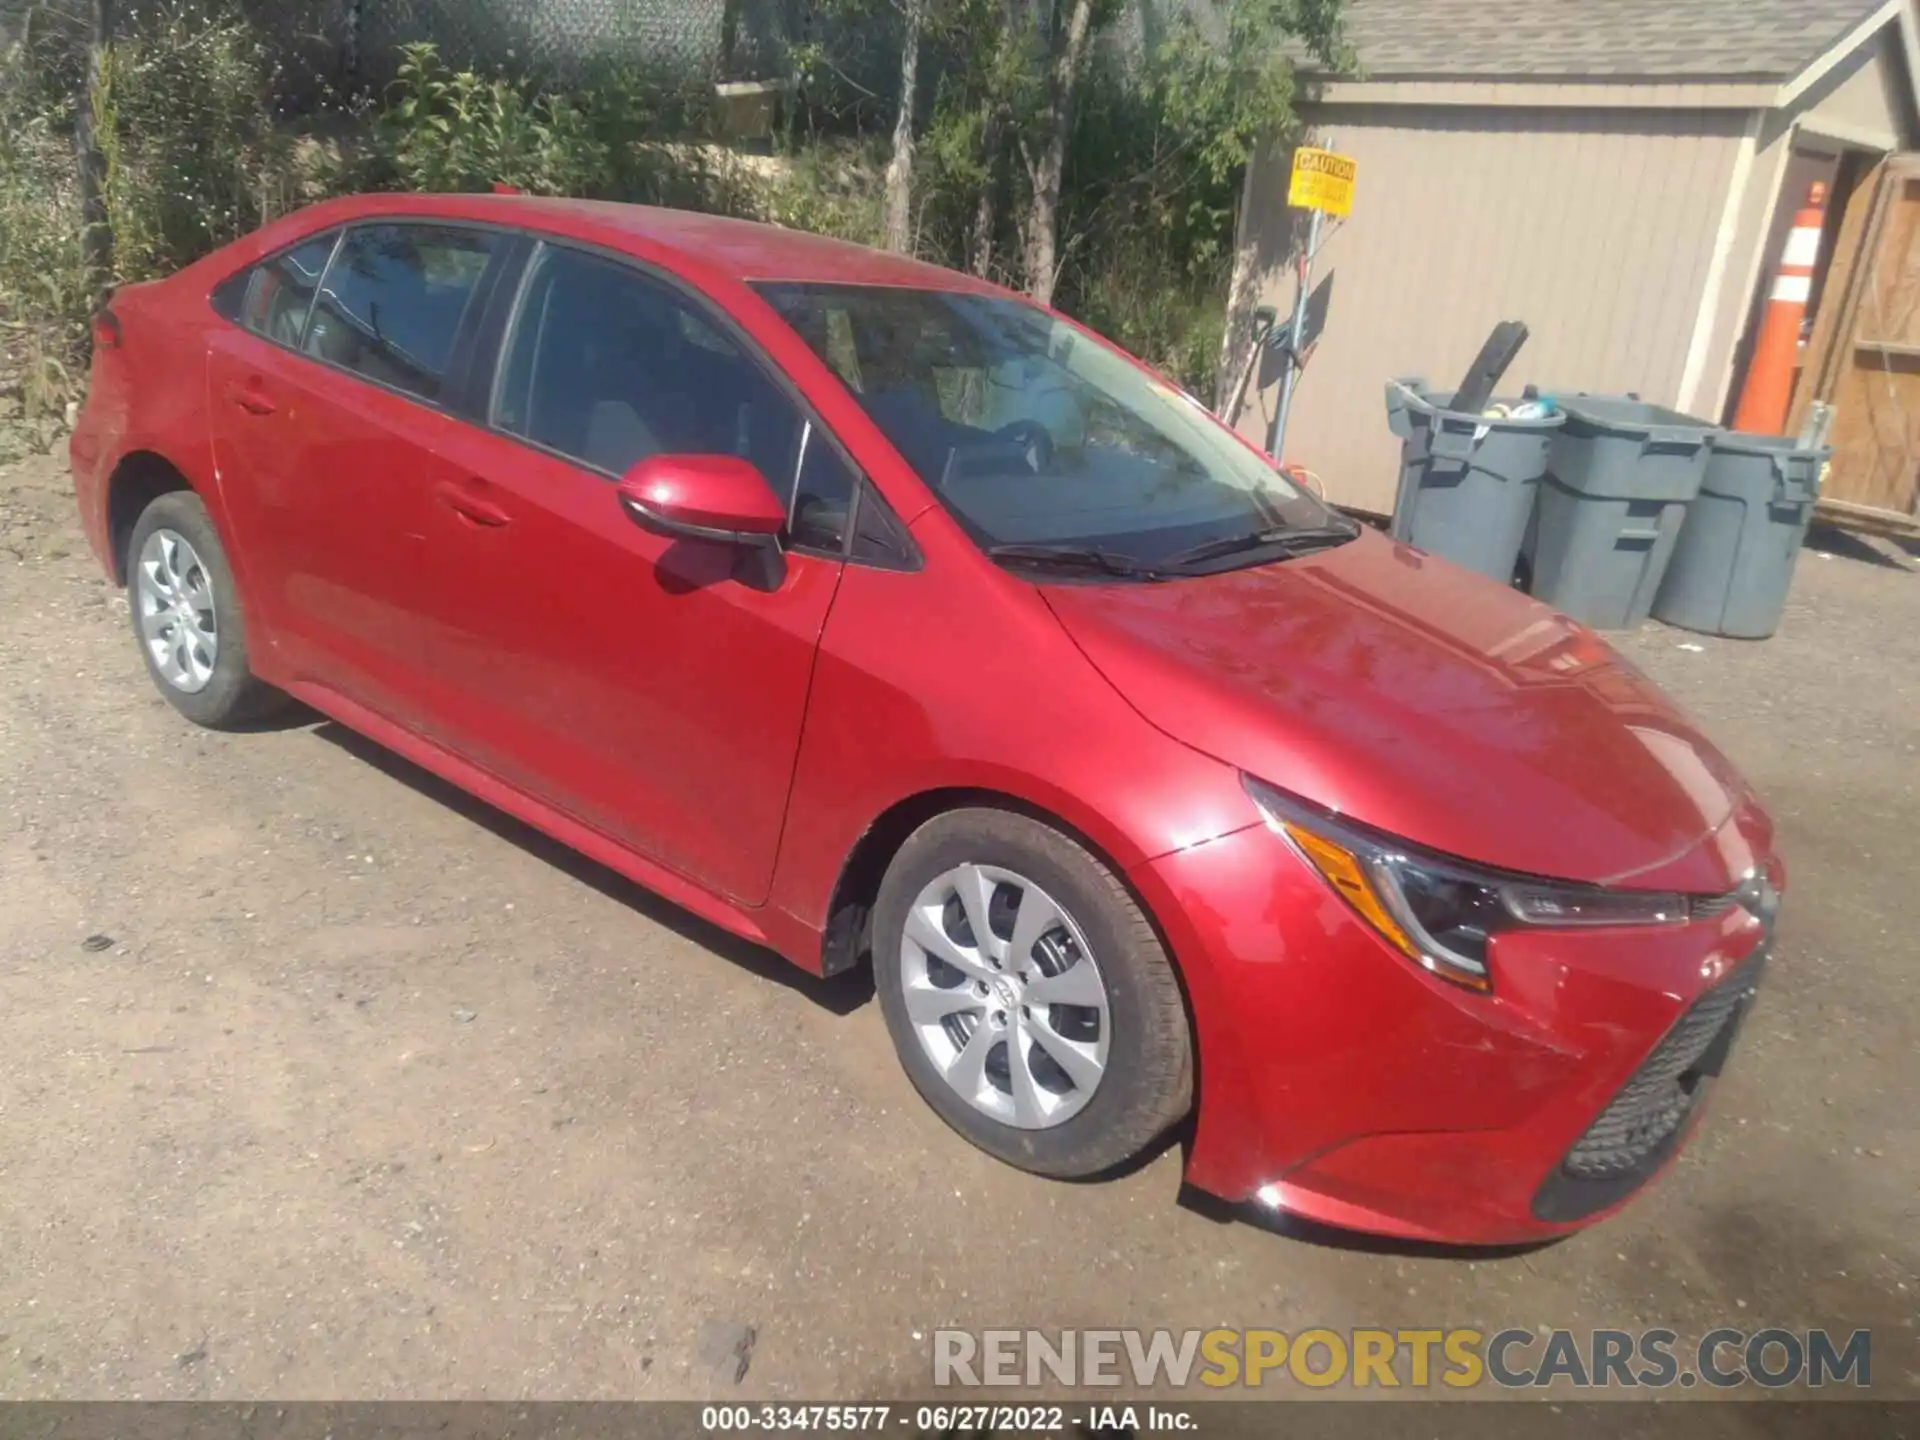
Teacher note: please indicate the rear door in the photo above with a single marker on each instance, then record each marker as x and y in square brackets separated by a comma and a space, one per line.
[653, 688]
[332, 402]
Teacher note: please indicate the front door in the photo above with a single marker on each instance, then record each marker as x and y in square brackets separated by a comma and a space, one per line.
[653, 688]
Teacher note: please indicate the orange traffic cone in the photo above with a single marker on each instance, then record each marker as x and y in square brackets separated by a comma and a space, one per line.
[1768, 390]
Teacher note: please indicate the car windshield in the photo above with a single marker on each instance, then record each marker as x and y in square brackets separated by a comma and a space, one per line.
[1034, 434]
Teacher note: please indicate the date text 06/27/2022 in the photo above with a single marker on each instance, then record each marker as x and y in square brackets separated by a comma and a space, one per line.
[945, 1419]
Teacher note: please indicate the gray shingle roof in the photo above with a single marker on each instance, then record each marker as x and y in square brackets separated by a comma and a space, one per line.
[1598, 39]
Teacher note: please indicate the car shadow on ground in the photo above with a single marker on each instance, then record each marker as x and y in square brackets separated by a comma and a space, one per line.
[842, 995]
[288, 714]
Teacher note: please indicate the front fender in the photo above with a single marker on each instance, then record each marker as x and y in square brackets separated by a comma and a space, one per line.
[894, 714]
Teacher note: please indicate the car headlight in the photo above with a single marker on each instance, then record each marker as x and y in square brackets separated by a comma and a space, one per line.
[1440, 912]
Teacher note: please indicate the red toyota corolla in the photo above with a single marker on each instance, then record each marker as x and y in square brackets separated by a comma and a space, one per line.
[864, 608]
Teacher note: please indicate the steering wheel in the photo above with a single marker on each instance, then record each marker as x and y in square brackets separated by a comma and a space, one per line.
[1034, 438]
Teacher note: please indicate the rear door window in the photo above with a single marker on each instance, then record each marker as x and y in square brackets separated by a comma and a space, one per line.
[281, 291]
[394, 301]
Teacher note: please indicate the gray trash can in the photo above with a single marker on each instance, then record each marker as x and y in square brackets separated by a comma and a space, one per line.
[1467, 482]
[1734, 562]
[1618, 484]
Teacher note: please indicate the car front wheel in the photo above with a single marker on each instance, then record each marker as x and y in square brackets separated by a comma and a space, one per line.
[1029, 998]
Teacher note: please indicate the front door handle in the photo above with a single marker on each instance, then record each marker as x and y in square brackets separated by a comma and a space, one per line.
[250, 398]
[464, 502]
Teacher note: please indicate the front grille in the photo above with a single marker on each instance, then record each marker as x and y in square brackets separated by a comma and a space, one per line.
[1705, 907]
[1640, 1125]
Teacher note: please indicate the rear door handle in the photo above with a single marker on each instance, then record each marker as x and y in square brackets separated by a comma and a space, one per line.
[462, 500]
[250, 398]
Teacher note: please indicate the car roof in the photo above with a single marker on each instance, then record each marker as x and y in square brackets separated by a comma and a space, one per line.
[738, 249]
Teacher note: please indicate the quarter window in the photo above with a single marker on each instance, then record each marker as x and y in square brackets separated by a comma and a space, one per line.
[394, 300]
[282, 290]
[822, 494]
[608, 367]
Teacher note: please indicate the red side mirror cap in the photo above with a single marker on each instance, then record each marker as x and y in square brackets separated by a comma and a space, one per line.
[703, 497]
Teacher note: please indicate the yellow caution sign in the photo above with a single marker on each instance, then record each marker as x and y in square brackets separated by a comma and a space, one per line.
[1322, 180]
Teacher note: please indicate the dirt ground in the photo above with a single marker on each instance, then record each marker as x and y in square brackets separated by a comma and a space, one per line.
[376, 1093]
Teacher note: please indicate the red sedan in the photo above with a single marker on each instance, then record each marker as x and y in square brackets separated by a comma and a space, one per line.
[868, 610]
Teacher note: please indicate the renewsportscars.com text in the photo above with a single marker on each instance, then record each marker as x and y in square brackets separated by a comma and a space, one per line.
[1394, 1359]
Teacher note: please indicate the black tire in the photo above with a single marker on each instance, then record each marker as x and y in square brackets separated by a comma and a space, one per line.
[1147, 1086]
[232, 697]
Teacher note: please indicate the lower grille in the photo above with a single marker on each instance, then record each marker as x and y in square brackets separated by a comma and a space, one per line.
[1638, 1128]
[1657, 1100]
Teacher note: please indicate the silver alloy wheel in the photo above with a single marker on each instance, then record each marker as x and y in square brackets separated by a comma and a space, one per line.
[174, 594]
[1003, 992]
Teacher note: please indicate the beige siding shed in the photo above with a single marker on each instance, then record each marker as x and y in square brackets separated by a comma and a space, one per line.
[1623, 213]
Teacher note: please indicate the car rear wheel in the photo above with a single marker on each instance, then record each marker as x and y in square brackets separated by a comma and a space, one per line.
[186, 616]
[1030, 1000]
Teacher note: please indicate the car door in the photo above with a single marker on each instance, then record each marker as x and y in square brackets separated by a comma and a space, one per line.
[651, 687]
[331, 401]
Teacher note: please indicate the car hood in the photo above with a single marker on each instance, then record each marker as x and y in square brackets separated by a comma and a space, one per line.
[1400, 690]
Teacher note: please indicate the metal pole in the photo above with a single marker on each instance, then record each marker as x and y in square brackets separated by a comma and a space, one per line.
[1290, 376]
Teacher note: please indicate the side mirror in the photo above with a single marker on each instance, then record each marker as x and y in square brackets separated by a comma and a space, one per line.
[704, 497]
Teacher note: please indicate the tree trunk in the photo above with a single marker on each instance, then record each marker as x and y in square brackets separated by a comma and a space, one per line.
[897, 210]
[96, 226]
[1047, 168]
[1017, 16]
[986, 206]
[1237, 337]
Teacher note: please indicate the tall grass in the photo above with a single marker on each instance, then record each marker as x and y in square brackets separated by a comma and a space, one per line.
[43, 283]
[195, 158]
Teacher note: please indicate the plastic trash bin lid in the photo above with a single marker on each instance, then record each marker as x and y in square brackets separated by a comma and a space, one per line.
[1624, 415]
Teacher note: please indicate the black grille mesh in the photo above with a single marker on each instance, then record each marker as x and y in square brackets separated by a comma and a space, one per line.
[1657, 1100]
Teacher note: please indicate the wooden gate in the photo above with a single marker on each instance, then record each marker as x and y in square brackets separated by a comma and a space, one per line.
[1864, 359]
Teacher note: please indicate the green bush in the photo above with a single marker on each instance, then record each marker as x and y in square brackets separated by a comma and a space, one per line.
[831, 188]
[1173, 324]
[621, 133]
[444, 129]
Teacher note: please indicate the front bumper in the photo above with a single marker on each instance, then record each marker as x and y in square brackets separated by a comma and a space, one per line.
[1342, 1084]
[1647, 1120]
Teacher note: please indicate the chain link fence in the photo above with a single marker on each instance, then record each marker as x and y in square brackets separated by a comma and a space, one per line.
[552, 36]
[356, 43]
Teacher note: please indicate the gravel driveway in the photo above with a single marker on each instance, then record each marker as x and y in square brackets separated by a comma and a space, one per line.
[321, 1080]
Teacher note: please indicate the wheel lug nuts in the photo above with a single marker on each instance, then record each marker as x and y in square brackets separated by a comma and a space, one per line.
[980, 988]
[999, 1019]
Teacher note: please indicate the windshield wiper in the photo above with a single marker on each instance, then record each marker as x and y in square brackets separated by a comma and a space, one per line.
[1078, 557]
[1288, 540]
